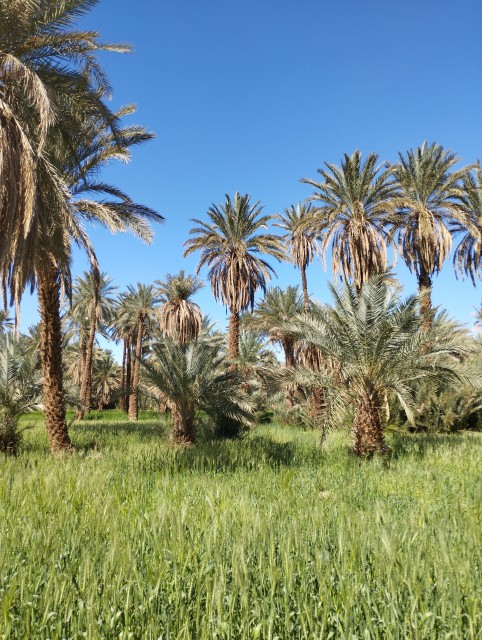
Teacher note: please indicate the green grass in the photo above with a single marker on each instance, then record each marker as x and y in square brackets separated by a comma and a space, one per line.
[269, 537]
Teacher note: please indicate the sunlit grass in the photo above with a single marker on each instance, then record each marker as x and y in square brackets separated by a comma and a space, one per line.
[271, 536]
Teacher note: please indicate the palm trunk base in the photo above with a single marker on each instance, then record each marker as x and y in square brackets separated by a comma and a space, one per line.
[183, 428]
[368, 428]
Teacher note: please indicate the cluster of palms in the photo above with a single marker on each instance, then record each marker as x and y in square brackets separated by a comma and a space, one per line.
[57, 132]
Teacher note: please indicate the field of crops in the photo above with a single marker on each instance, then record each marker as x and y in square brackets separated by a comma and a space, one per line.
[268, 537]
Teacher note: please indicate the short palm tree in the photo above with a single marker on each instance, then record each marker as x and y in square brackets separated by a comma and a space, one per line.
[231, 245]
[139, 310]
[92, 308]
[6, 323]
[106, 379]
[193, 378]
[180, 318]
[300, 239]
[20, 390]
[374, 339]
[430, 201]
[354, 203]
[468, 253]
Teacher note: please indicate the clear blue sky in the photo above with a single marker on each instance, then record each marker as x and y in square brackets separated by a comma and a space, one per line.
[251, 96]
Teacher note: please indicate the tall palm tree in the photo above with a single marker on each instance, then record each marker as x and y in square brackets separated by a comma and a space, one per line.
[230, 244]
[430, 202]
[139, 309]
[92, 308]
[180, 318]
[468, 253]
[354, 203]
[48, 70]
[300, 240]
[123, 328]
[374, 339]
[193, 378]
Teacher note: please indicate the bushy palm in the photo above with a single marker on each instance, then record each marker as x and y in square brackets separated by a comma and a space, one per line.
[193, 378]
[375, 342]
[20, 389]
[430, 201]
[106, 379]
[231, 245]
[300, 239]
[354, 203]
[179, 317]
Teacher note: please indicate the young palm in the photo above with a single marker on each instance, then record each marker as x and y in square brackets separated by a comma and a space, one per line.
[430, 202]
[353, 214]
[106, 379]
[468, 253]
[139, 310]
[230, 245]
[374, 340]
[180, 318]
[92, 308]
[20, 390]
[300, 240]
[193, 378]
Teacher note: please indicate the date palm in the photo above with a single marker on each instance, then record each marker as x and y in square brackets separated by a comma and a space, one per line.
[47, 70]
[300, 240]
[354, 203]
[468, 253]
[6, 323]
[138, 310]
[180, 318]
[373, 338]
[92, 308]
[429, 203]
[231, 246]
[106, 379]
[193, 378]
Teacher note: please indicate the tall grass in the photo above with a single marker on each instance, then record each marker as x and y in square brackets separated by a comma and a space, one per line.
[268, 537]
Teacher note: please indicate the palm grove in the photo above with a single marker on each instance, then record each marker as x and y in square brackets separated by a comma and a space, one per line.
[369, 359]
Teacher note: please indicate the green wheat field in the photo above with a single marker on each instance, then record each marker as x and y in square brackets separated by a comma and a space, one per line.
[271, 536]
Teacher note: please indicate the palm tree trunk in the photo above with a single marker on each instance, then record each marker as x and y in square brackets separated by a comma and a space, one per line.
[122, 401]
[128, 373]
[234, 335]
[79, 413]
[51, 358]
[183, 427]
[304, 285]
[424, 287]
[86, 386]
[288, 347]
[368, 428]
[134, 396]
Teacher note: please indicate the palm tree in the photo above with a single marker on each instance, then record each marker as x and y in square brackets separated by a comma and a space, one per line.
[6, 323]
[180, 318]
[139, 309]
[92, 307]
[47, 69]
[230, 245]
[106, 379]
[193, 378]
[374, 339]
[468, 253]
[20, 387]
[356, 202]
[429, 202]
[300, 240]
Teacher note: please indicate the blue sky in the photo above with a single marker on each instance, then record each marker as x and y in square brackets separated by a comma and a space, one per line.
[252, 96]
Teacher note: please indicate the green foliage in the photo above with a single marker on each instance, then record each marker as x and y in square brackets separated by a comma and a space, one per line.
[20, 387]
[270, 536]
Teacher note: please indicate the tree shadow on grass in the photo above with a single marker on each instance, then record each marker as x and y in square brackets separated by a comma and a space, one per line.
[421, 445]
[222, 456]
